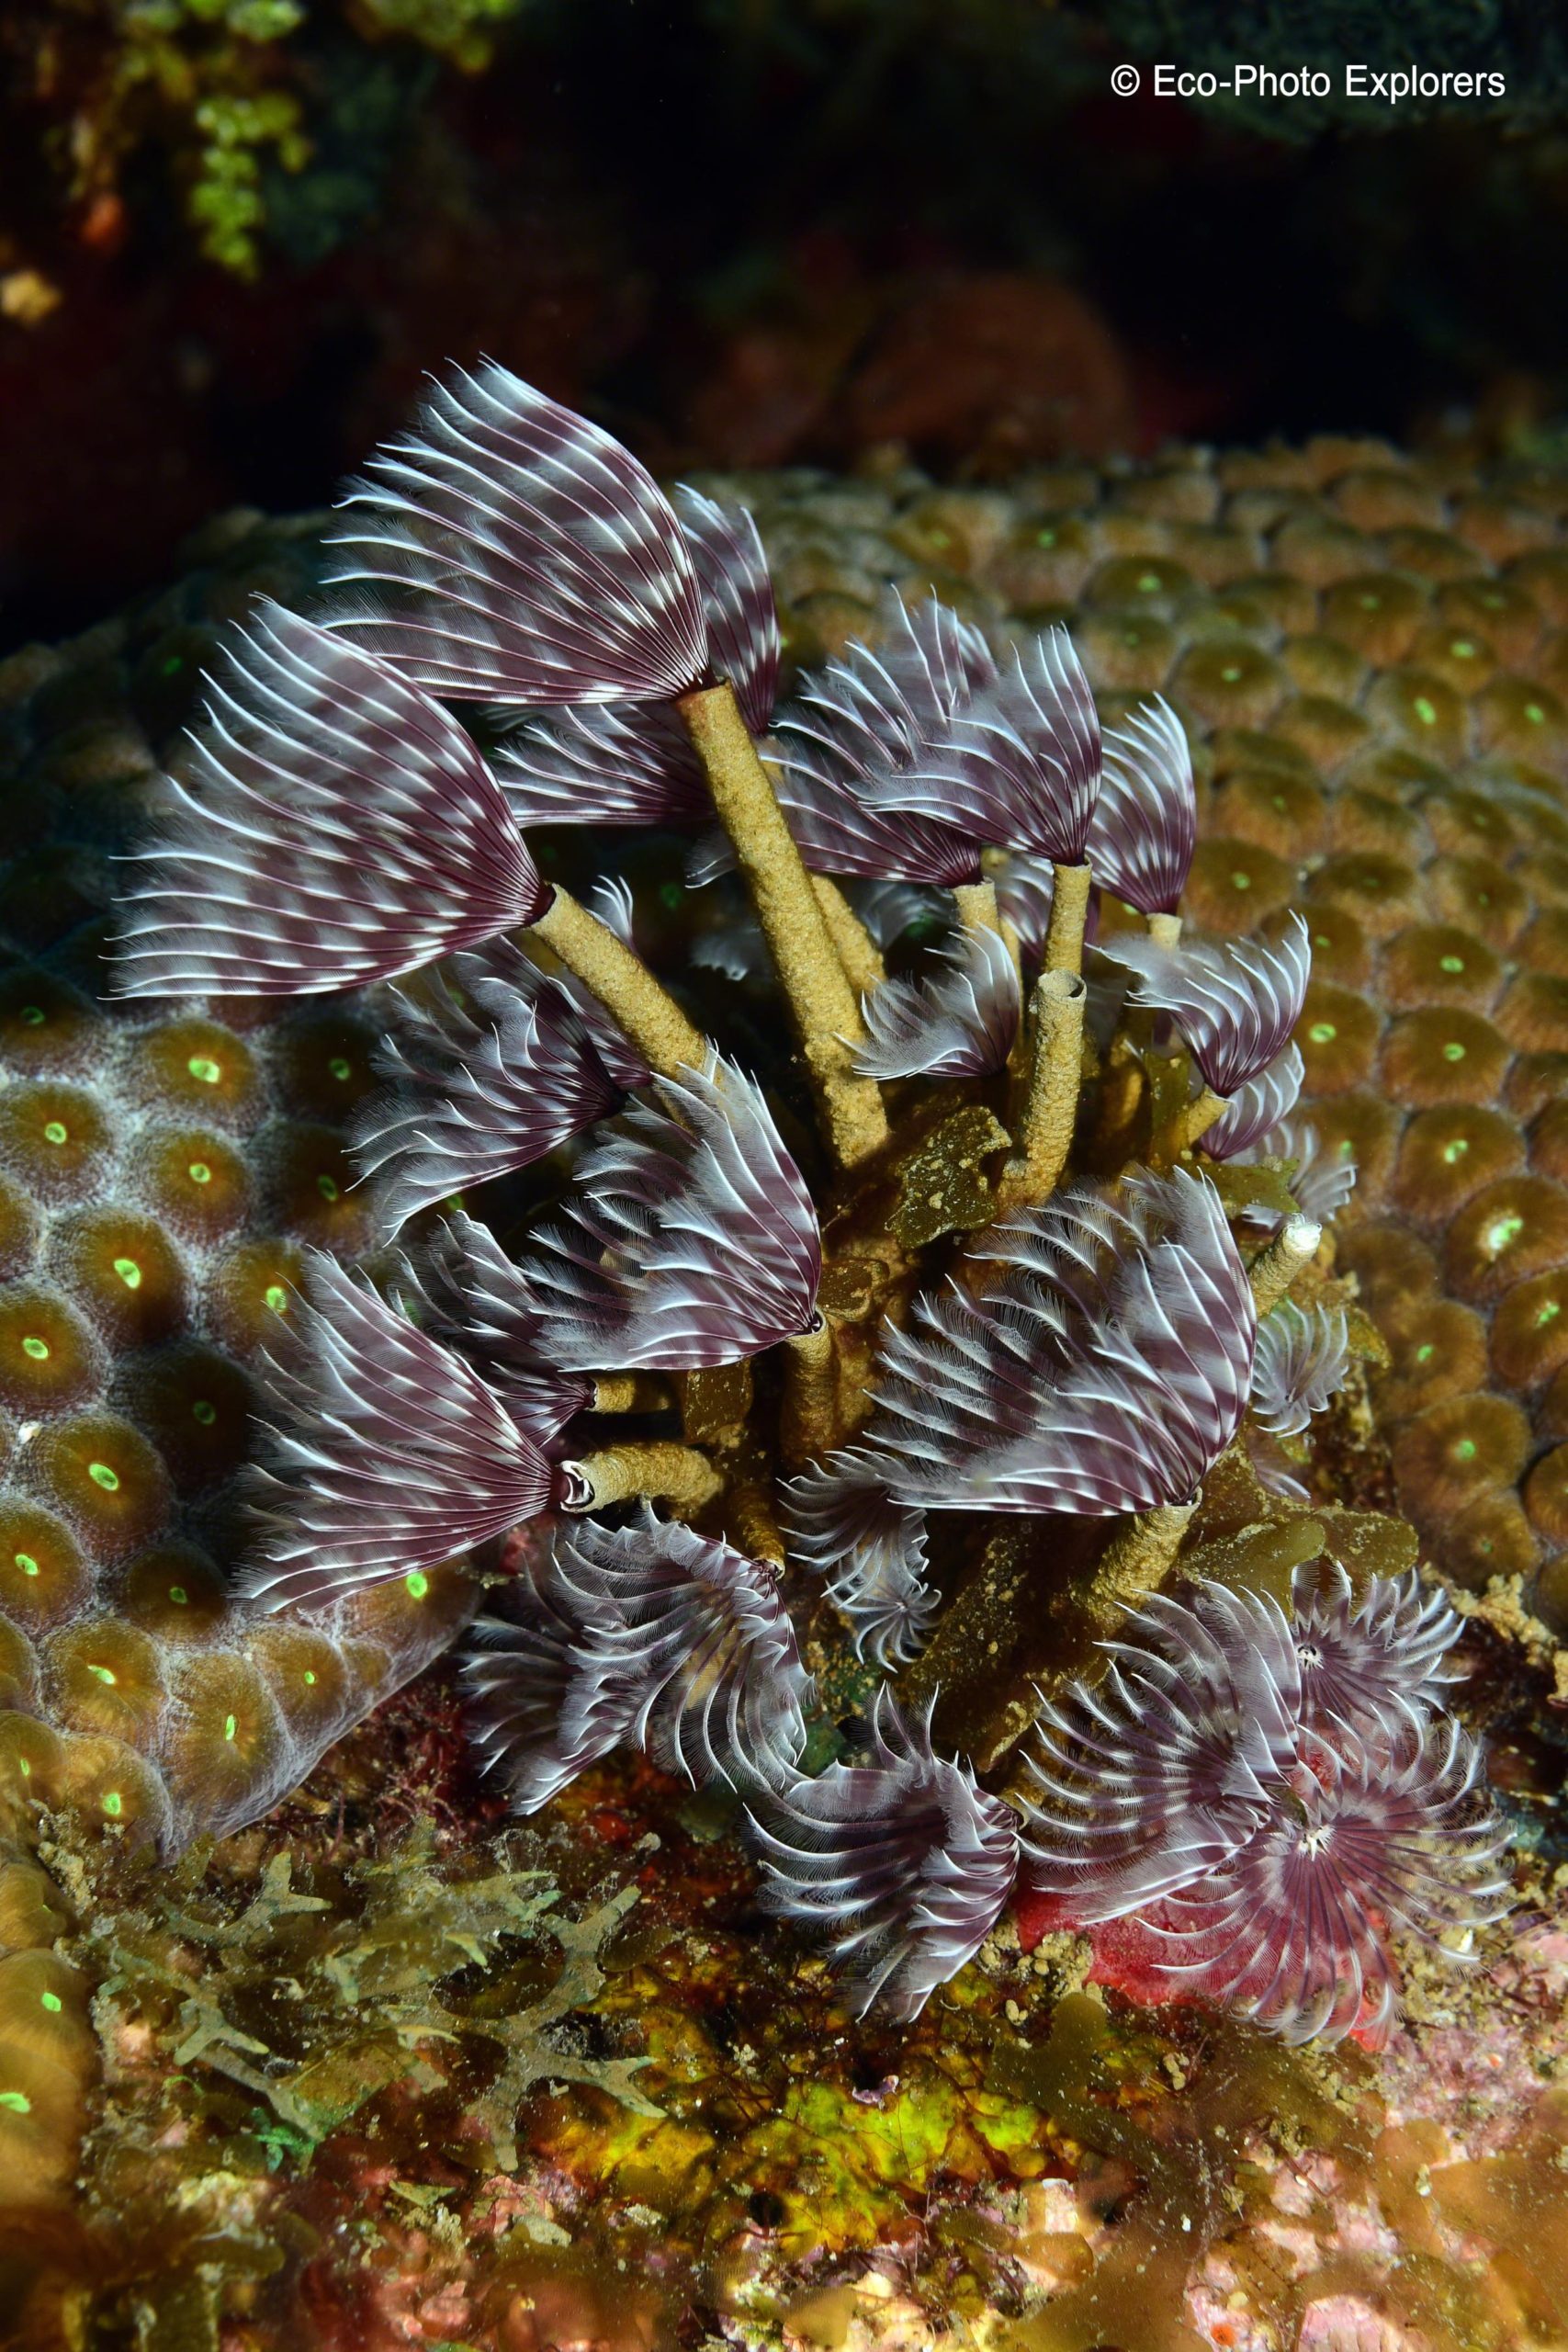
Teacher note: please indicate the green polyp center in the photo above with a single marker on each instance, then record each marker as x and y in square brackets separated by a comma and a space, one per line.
[1425, 711]
[1241, 881]
[55, 1131]
[1323, 1032]
[310, 1676]
[102, 1475]
[1453, 1051]
[231, 1725]
[32, 1016]
[178, 1595]
[1535, 713]
[1148, 584]
[1046, 538]
[1465, 1450]
[327, 1187]
[16, 2102]
[417, 1584]
[105, 1673]
[276, 1297]
[1548, 1313]
[1231, 673]
[1452, 964]
[1456, 1151]
[1370, 603]
[199, 1173]
[36, 1348]
[1462, 649]
[26, 1563]
[128, 1271]
[339, 1067]
[53, 2002]
[202, 1066]
[114, 1803]
[1425, 1352]
[204, 1412]
[1506, 1229]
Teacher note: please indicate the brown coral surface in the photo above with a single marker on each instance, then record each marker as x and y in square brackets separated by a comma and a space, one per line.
[382, 2071]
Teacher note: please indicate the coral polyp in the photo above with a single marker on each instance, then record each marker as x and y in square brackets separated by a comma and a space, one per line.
[1084, 1339]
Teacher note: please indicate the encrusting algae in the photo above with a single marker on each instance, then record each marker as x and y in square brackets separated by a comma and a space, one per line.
[385, 2069]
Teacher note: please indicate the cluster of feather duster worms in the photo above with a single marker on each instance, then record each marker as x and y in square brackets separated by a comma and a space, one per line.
[1265, 1799]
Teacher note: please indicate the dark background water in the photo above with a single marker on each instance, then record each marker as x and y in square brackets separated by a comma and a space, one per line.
[744, 232]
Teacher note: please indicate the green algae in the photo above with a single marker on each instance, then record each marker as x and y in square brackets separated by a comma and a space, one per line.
[272, 117]
[316, 2003]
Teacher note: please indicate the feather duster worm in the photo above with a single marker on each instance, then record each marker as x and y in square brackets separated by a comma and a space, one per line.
[1016, 766]
[1150, 1779]
[604, 763]
[738, 610]
[465, 1287]
[869, 716]
[1269, 1802]
[507, 550]
[846, 1527]
[1234, 1002]
[1362, 1662]
[959, 1023]
[1321, 1181]
[336, 826]
[901, 1863]
[1293, 1931]
[900, 765]
[472, 1100]
[1257, 1108]
[1301, 1360]
[1099, 1364]
[1262, 1794]
[649, 1633]
[1144, 829]
[631, 764]
[390, 1455]
[692, 1239]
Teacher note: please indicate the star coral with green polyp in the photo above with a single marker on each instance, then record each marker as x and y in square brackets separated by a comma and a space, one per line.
[716, 1631]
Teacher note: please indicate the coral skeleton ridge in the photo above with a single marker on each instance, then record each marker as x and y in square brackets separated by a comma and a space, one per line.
[859, 1325]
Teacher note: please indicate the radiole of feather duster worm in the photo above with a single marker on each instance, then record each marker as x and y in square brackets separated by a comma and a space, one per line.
[1268, 1799]
[1234, 1003]
[902, 1862]
[339, 827]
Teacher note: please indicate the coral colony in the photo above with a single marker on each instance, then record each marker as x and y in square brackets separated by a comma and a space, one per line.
[1259, 1797]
